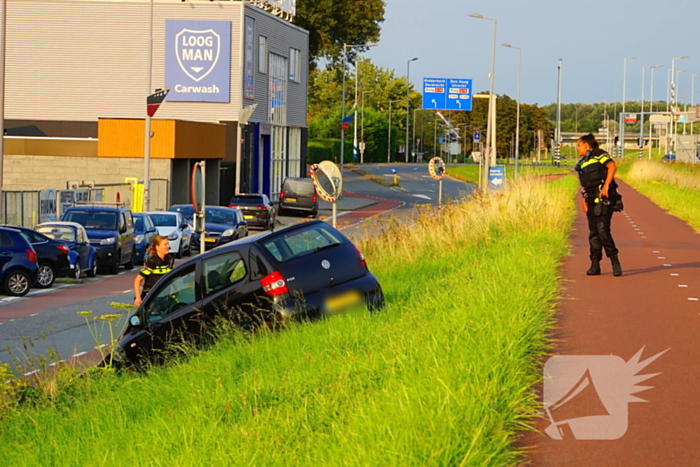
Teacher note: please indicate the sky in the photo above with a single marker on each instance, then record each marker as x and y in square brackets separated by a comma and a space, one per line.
[592, 39]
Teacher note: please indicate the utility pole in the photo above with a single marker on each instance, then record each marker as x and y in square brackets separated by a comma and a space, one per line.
[557, 136]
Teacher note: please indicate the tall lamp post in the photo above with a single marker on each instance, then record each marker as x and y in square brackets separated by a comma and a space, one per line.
[388, 150]
[678, 99]
[672, 94]
[692, 99]
[342, 105]
[651, 108]
[147, 135]
[622, 120]
[490, 132]
[408, 100]
[2, 107]
[362, 131]
[517, 118]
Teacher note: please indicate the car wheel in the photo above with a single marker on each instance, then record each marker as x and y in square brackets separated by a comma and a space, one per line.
[46, 276]
[92, 272]
[77, 272]
[314, 213]
[114, 266]
[130, 264]
[188, 251]
[17, 283]
[271, 225]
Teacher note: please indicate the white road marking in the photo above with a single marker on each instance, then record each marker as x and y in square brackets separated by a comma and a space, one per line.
[662, 257]
[668, 265]
[421, 196]
[643, 237]
[692, 299]
[675, 274]
[656, 252]
[79, 354]
[682, 285]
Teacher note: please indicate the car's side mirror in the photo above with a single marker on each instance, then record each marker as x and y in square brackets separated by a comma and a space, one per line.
[151, 229]
[184, 225]
[82, 243]
[135, 320]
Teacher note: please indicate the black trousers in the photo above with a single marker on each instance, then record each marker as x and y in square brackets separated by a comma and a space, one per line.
[599, 235]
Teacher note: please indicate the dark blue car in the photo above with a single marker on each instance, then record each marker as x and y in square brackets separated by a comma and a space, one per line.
[18, 263]
[221, 224]
[144, 231]
[82, 255]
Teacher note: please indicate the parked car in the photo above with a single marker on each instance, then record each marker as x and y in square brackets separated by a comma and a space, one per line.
[302, 271]
[299, 195]
[256, 208]
[82, 255]
[221, 224]
[18, 263]
[144, 231]
[110, 228]
[178, 231]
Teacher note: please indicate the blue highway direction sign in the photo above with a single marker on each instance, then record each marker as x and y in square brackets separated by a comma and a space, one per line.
[447, 94]
[434, 93]
[497, 176]
[459, 94]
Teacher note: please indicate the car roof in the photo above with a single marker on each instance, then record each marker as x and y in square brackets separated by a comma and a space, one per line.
[168, 213]
[96, 207]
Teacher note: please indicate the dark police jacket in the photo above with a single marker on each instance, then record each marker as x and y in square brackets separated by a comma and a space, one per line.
[592, 172]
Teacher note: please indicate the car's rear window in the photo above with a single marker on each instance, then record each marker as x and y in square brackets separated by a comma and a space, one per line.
[299, 187]
[164, 220]
[95, 220]
[300, 242]
[6, 240]
[56, 232]
[248, 200]
[186, 210]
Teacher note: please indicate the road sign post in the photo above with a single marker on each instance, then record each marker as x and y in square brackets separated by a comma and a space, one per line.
[497, 176]
[198, 191]
[447, 94]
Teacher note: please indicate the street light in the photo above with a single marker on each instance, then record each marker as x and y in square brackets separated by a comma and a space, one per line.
[517, 118]
[2, 106]
[362, 132]
[147, 135]
[388, 151]
[342, 105]
[622, 120]
[651, 107]
[490, 132]
[675, 126]
[408, 99]
[692, 99]
[641, 127]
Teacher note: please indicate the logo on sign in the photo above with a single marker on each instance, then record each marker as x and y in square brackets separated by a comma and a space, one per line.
[197, 52]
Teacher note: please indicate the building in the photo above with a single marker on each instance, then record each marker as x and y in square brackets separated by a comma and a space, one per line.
[72, 65]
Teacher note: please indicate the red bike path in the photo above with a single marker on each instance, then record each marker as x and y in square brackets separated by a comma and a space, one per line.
[654, 306]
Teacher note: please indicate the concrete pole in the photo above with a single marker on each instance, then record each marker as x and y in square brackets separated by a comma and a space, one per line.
[342, 112]
[692, 99]
[3, 62]
[624, 100]
[408, 100]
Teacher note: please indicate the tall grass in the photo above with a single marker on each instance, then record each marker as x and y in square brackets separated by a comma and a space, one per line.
[442, 376]
[674, 187]
[470, 172]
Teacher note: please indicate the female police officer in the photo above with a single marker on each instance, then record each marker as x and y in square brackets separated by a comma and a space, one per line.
[596, 171]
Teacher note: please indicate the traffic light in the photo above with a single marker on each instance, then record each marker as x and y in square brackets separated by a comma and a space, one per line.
[551, 134]
[617, 140]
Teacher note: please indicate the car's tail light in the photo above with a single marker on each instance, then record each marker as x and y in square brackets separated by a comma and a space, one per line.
[313, 198]
[261, 207]
[274, 284]
[282, 194]
[233, 206]
[363, 261]
[63, 248]
[32, 255]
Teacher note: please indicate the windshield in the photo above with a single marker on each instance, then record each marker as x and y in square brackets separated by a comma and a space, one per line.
[220, 216]
[65, 234]
[93, 220]
[186, 210]
[249, 200]
[164, 220]
[138, 223]
[300, 187]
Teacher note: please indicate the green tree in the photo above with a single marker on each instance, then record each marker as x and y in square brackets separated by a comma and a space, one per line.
[332, 23]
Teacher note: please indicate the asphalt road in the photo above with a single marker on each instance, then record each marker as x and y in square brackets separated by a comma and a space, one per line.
[44, 326]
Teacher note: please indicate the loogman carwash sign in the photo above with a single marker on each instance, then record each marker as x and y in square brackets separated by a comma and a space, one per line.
[198, 60]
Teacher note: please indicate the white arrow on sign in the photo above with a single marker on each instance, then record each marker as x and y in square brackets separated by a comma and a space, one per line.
[497, 181]
[434, 102]
[459, 104]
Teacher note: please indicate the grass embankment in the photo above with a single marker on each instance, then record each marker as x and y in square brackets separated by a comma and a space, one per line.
[442, 376]
[470, 172]
[674, 187]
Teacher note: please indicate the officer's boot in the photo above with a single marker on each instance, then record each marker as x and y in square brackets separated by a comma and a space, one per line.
[594, 270]
[617, 268]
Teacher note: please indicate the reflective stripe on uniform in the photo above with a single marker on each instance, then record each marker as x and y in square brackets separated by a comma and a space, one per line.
[602, 159]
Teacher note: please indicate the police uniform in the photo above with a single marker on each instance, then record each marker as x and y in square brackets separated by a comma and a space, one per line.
[153, 269]
[593, 171]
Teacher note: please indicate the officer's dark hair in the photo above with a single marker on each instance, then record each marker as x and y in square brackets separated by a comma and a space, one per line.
[590, 140]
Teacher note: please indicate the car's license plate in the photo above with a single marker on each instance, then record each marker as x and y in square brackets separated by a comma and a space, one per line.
[342, 301]
[248, 217]
[210, 240]
[292, 200]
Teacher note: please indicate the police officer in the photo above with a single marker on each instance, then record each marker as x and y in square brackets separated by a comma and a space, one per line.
[158, 264]
[596, 171]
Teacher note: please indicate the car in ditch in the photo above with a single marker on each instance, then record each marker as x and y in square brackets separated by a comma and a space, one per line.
[300, 272]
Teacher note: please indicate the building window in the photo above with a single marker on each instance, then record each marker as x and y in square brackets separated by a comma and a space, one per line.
[279, 156]
[262, 54]
[294, 65]
[277, 110]
[295, 153]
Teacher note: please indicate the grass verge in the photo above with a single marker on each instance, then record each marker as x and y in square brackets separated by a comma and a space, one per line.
[470, 172]
[442, 376]
[673, 187]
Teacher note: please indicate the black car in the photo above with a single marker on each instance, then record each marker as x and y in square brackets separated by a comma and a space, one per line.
[303, 271]
[256, 208]
[110, 228]
[298, 195]
[52, 256]
[221, 224]
[18, 263]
